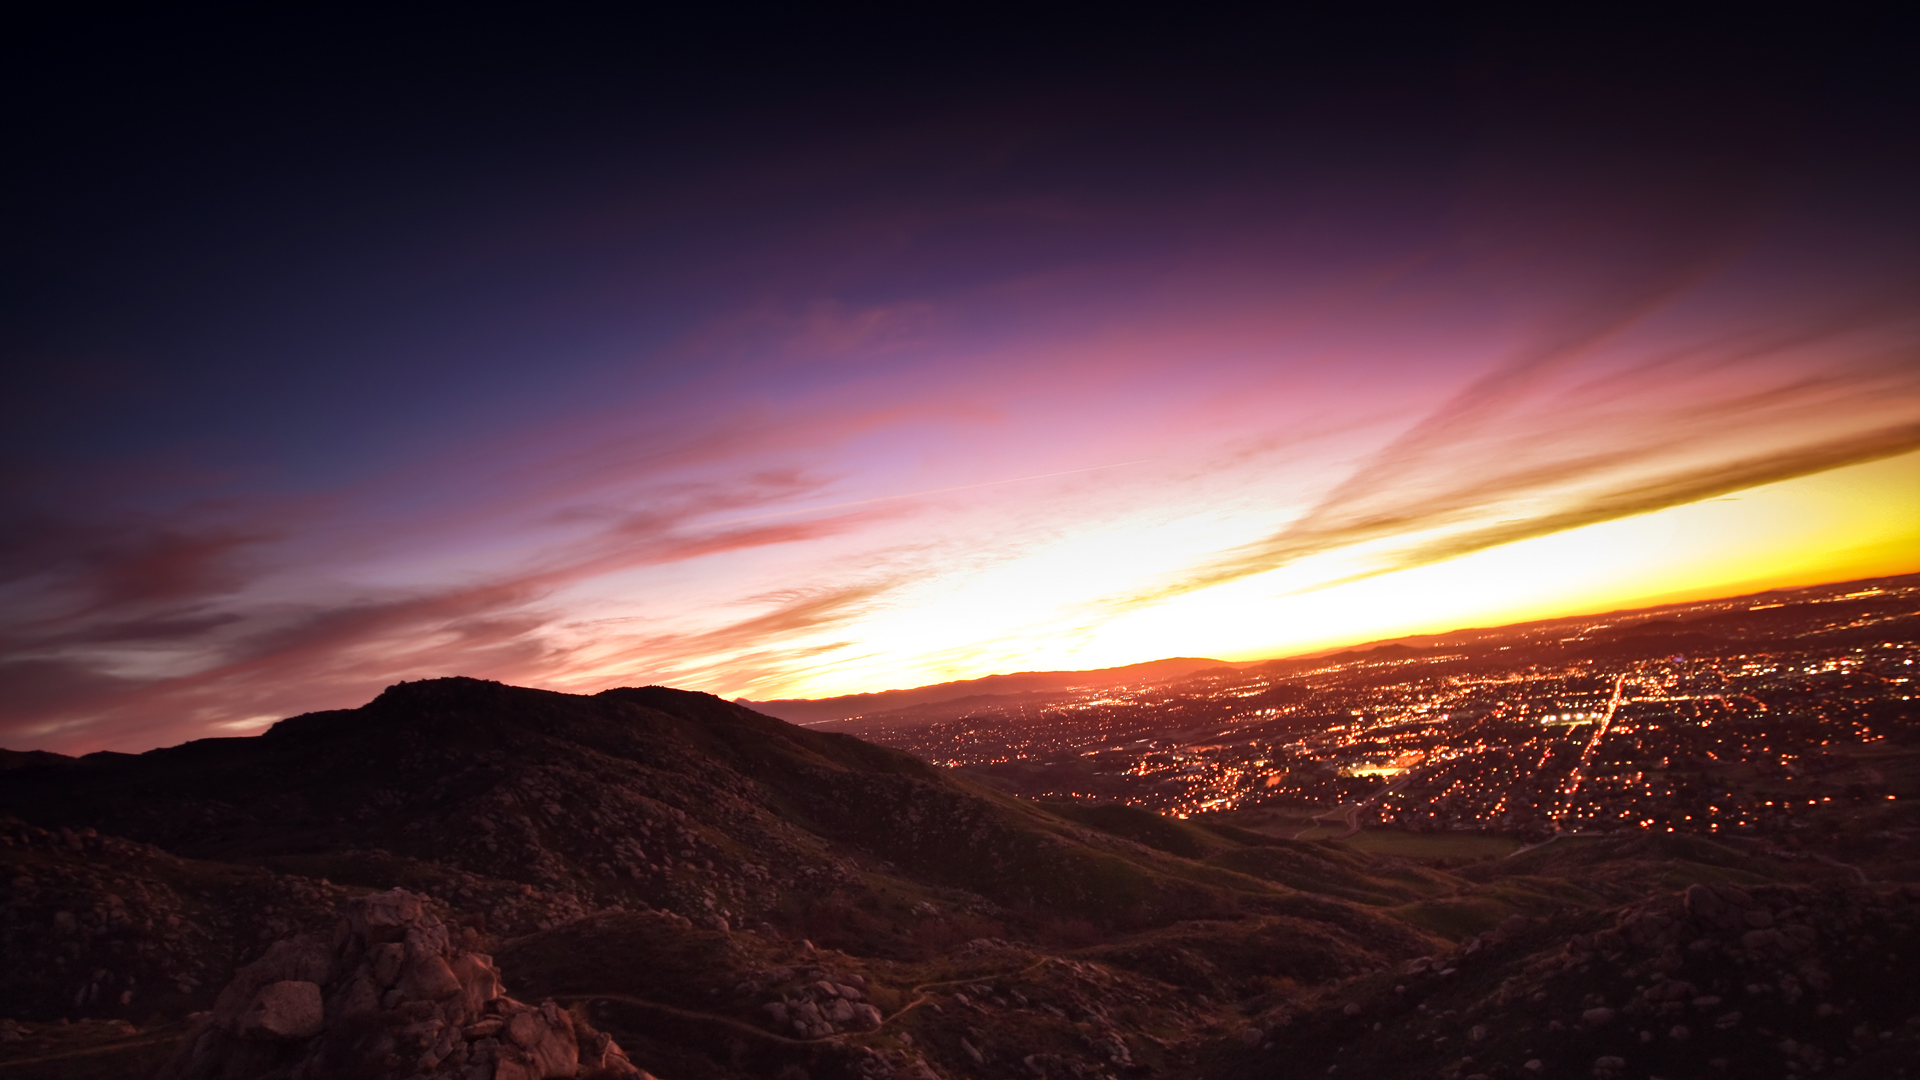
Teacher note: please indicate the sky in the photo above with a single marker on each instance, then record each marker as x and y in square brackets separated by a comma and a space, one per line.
[796, 357]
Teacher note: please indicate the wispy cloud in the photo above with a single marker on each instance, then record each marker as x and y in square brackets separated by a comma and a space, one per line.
[1518, 454]
[861, 414]
[147, 630]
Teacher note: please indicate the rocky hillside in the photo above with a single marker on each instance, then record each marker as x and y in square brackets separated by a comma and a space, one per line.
[390, 993]
[723, 894]
[1713, 981]
[529, 808]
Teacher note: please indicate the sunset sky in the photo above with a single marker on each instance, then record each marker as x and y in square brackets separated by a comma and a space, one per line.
[752, 360]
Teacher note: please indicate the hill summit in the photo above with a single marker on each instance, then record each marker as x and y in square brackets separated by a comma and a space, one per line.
[722, 894]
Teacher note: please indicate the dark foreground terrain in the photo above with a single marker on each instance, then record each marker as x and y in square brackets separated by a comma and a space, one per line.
[721, 894]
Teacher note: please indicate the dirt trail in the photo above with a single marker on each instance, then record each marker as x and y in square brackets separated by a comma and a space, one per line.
[89, 1051]
[742, 1027]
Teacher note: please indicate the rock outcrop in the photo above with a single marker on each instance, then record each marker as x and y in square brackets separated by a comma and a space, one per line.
[390, 995]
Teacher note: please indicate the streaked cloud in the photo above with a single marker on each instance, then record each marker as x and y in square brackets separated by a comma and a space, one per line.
[1068, 376]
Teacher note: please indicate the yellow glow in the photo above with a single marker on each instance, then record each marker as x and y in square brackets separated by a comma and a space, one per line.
[1050, 607]
[1854, 522]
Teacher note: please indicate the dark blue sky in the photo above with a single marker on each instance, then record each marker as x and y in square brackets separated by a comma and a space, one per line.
[345, 347]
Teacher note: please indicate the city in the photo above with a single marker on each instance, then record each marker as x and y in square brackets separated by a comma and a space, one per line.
[1671, 842]
[1765, 716]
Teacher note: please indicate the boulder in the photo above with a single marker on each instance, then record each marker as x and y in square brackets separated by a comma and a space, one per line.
[427, 977]
[548, 1039]
[288, 1009]
[1649, 930]
[1704, 905]
[1762, 943]
[1669, 990]
[388, 997]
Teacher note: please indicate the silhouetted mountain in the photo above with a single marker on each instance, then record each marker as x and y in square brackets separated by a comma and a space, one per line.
[815, 710]
[21, 759]
[722, 894]
[521, 810]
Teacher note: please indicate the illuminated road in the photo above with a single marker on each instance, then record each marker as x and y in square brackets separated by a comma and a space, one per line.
[1578, 775]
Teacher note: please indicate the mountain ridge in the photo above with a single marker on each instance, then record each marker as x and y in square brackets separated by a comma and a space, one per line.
[845, 711]
[729, 895]
[820, 710]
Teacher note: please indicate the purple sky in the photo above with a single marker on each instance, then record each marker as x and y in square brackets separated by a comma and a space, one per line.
[812, 358]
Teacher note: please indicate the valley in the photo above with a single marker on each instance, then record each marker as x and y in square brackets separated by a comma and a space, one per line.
[1681, 842]
[1745, 718]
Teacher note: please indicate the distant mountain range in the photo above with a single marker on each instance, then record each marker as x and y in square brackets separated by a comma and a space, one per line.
[1651, 631]
[730, 896]
[642, 845]
[818, 710]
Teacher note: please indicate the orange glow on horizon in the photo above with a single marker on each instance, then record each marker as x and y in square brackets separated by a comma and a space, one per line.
[1843, 524]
